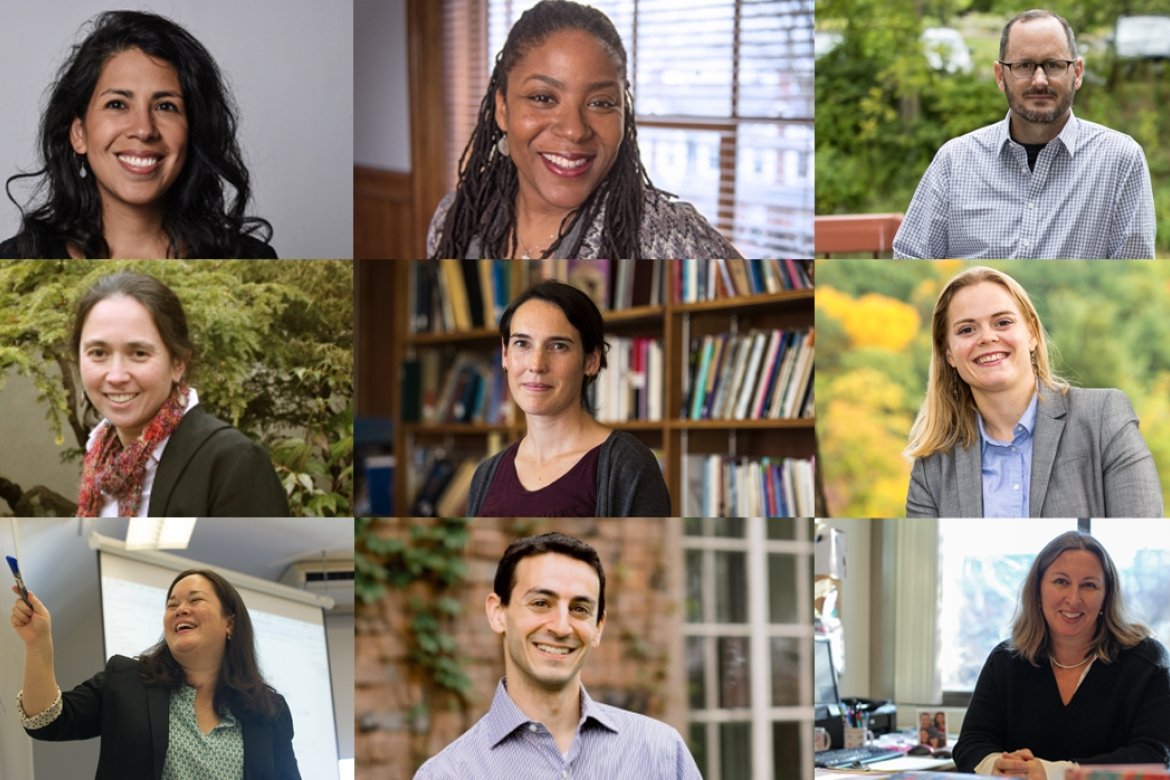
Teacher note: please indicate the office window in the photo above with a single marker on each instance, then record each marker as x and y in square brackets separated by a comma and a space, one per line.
[982, 564]
[724, 95]
[748, 655]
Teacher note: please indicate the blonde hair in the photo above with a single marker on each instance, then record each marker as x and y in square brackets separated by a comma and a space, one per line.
[947, 416]
[1114, 630]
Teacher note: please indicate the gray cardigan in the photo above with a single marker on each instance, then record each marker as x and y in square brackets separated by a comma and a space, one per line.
[1088, 460]
[629, 481]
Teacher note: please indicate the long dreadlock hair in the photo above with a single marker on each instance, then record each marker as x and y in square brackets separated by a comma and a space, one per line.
[485, 196]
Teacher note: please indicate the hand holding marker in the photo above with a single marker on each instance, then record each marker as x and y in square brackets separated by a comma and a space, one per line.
[19, 580]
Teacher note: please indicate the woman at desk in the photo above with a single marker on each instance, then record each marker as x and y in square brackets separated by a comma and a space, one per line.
[567, 464]
[1076, 683]
[194, 705]
[1000, 435]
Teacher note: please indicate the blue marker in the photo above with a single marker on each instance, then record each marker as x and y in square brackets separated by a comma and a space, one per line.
[19, 580]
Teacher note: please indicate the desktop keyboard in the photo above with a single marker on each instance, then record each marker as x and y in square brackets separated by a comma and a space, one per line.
[847, 757]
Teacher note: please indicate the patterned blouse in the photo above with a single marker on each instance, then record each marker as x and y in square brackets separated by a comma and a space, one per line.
[670, 228]
[193, 755]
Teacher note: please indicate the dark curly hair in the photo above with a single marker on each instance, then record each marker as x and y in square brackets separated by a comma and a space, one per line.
[485, 196]
[199, 217]
[240, 686]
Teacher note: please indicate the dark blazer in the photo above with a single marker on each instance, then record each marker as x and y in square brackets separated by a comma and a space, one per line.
[1088, 460]
[250, 249]
[133, 720]
[209, 469]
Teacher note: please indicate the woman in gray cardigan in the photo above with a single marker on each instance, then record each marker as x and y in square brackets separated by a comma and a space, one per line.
[567, 464]
[999, 435]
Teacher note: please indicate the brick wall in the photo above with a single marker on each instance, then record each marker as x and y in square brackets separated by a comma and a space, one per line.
[639, 665]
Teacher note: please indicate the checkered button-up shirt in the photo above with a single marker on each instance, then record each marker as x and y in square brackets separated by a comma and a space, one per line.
[1088, 197]
[610, 743]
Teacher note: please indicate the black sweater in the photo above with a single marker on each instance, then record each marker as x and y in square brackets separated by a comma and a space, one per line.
[1119, 714]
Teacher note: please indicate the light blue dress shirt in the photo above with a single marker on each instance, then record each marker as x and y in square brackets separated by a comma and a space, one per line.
[1007, 467]
[610, 743]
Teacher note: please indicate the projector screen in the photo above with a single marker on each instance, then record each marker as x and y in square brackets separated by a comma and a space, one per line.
[290, 646]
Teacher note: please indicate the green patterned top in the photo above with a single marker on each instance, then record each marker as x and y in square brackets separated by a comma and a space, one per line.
[193, 755]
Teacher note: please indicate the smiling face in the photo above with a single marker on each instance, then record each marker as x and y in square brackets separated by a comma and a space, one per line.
[1072, 595]
[989, 341]
[134, 131]
[126, 368]
[1041, 99]
[545, 360]
[194, 625]
[565, 119]
[550, 624]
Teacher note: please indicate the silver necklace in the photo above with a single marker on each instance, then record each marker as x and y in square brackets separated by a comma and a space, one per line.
[1069, 666]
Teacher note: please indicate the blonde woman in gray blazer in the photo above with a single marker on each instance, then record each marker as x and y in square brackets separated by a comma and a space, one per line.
[999, 435]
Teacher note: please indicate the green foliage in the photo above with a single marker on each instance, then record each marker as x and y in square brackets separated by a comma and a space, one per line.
[275, 356]
[429, 566]
[882, 114]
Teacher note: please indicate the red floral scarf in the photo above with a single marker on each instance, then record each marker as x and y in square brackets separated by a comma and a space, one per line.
[118, 471]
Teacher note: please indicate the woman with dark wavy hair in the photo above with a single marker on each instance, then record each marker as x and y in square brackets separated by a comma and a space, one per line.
[552, 168]
[138, 151]
[194, 705]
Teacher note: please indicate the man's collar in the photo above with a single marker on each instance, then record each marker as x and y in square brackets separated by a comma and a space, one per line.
[1067, 136]
[505, 717]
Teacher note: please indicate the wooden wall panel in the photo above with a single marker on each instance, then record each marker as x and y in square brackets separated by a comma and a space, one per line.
[383, 214]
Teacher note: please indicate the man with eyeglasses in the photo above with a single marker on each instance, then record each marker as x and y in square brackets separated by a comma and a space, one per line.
[1041, 183]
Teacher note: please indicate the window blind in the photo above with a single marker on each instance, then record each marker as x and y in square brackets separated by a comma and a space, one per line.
[724, 96]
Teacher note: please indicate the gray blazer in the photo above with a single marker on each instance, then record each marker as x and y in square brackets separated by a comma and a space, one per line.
[1088, 460]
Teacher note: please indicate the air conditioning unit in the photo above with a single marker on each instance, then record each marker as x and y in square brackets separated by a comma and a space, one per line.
[327, 578]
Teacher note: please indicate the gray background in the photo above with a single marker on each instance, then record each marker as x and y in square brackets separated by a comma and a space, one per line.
[289, 65]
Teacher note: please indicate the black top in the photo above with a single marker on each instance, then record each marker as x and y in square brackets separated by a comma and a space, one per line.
[133, 721]
[251, 248]
[1120, 714]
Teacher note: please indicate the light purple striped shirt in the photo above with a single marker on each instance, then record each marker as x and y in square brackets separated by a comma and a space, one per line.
[610, 744]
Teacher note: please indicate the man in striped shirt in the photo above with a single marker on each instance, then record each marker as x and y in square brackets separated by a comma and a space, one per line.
[548, 606]
[1041, 183]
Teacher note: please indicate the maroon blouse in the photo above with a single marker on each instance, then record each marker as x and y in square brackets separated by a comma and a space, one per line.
[574, 494]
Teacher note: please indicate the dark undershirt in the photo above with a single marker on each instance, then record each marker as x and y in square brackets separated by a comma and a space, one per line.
[1032, 150]
[574, 494]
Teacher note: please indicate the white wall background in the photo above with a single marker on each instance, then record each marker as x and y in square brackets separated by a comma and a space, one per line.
[289, 65]
[381, 126]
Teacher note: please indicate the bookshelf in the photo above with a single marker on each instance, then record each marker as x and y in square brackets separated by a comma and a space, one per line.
[677, 325]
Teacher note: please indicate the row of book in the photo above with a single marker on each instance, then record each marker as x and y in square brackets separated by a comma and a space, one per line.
[470, 389]
[760, 375]
[630, 388]
[723, 486]
[460, 295]
[708, 280]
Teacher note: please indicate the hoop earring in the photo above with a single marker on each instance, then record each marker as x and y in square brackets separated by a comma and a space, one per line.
[502, 145]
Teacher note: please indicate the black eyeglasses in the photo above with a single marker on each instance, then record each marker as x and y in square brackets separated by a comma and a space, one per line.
[1027, 68]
